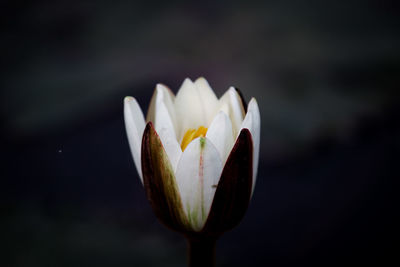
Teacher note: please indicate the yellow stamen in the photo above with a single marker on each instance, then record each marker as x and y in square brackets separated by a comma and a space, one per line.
[192, 134]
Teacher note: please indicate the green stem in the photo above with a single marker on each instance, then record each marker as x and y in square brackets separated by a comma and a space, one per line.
[202, 252]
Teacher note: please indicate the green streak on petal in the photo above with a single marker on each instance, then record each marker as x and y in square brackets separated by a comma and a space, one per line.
[202, 142]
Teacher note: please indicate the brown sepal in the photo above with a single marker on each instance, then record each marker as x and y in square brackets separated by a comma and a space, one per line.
[159, 182]
[233, 193]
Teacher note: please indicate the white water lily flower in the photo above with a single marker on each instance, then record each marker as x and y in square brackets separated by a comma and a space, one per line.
[198, 155]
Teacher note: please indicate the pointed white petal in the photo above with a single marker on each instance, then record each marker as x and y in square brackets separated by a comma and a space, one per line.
[134, 123]
[168, 98]
[188, 108]
[220, 134]
[162, 93]
[252, 122]
[164, 126]
[208, 99]
[197, 175]
[236, 110]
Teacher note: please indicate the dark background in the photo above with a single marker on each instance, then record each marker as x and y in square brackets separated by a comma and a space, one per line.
[325, 74]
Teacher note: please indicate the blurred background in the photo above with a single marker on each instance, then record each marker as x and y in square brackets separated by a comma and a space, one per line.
[326, 77]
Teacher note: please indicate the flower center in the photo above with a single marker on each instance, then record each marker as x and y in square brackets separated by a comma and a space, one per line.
[192, 134]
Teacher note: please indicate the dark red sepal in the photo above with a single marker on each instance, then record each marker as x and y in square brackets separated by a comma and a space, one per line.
[233, 193]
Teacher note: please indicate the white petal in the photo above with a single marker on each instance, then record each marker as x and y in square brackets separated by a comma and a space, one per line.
[134, 123]
[164, 93]
[195, 104]
[164, 126]
[197, 175]
[208, 99]
[252, 122]
[236, 110]
[188, 108]
[220, 134]
[164, 109]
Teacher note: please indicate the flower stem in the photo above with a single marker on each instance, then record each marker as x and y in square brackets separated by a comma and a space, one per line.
[202, 252]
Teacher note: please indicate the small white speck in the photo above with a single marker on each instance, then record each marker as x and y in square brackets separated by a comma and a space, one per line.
[60, 151]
